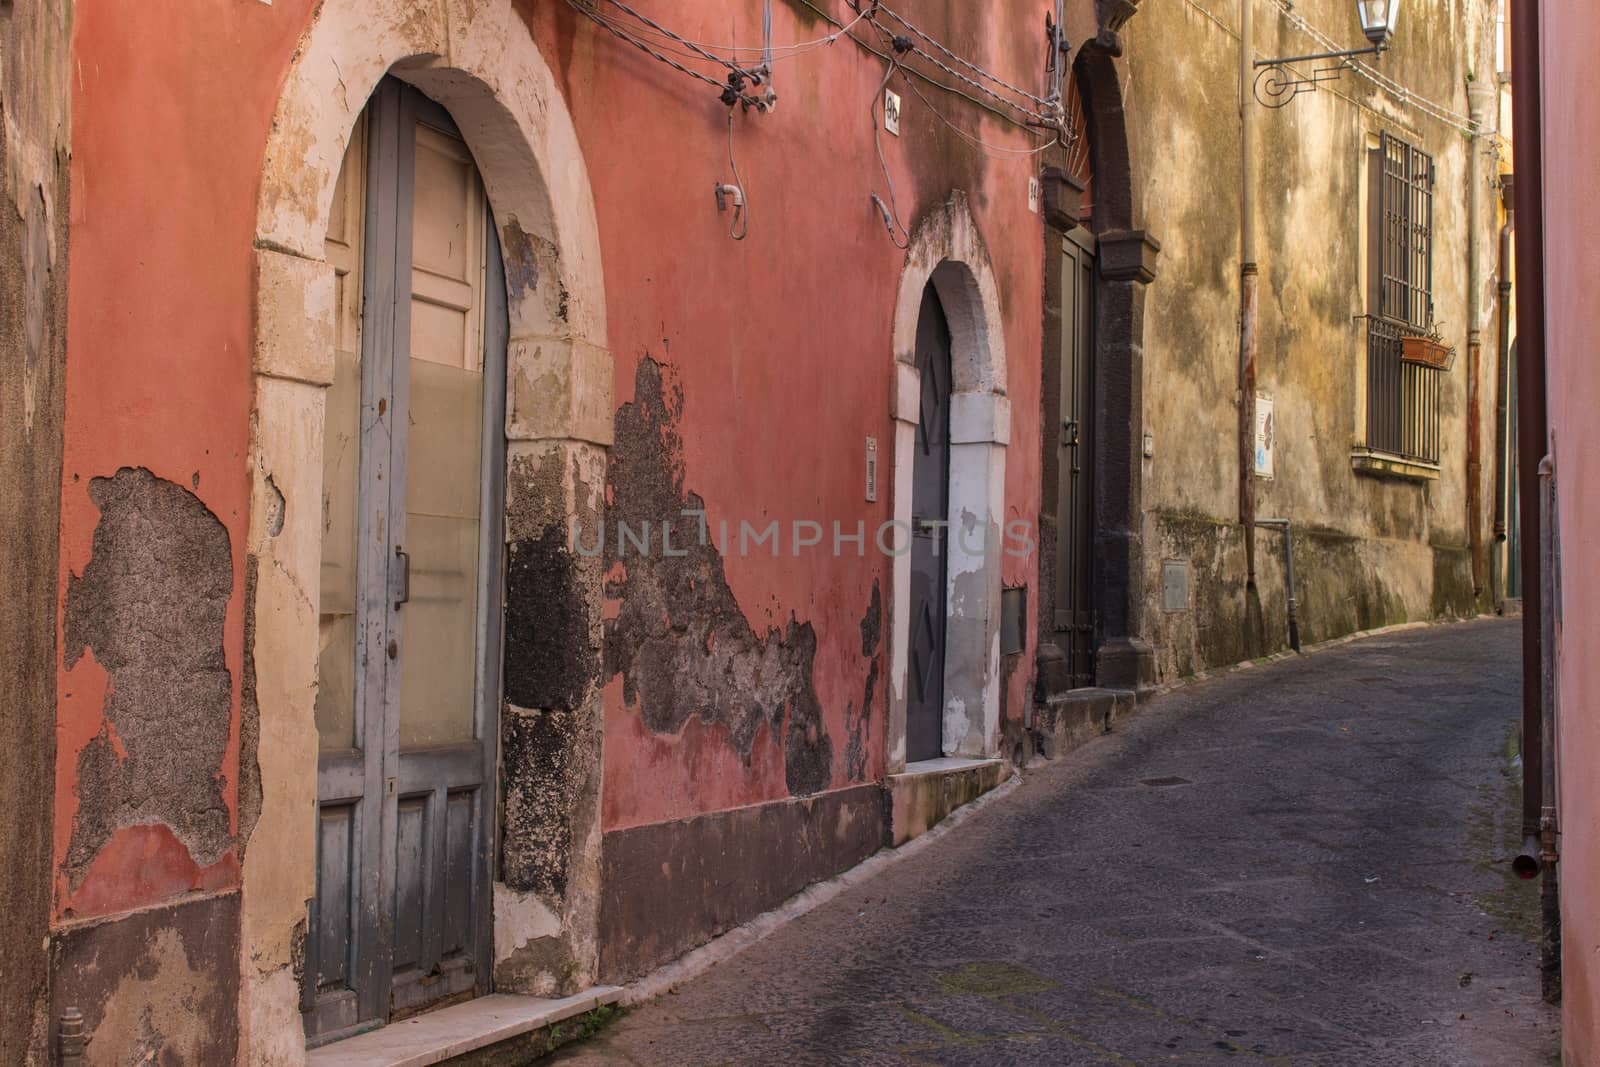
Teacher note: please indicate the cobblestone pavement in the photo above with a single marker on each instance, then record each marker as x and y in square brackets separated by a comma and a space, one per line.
[1304, 863]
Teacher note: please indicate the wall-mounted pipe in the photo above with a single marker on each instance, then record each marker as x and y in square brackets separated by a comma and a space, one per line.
[1502, 392]
[1532, 430]
[71, 1041]
[1288, 577]
[1550, 707]
[1479, 96]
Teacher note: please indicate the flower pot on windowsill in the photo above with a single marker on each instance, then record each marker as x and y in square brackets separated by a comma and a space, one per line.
[1427, 352]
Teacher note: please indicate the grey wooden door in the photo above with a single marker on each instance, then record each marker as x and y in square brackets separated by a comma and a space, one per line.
[930, 513]
[1074, 599]
[408, 672]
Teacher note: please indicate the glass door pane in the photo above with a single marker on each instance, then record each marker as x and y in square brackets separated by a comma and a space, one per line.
[341, 460]
[444, 448]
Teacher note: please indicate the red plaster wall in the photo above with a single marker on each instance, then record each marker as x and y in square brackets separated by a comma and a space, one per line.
[781, 343]
[170, 112]
[1572, 263]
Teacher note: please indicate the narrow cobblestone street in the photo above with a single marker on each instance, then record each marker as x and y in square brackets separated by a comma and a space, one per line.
[1305, 862]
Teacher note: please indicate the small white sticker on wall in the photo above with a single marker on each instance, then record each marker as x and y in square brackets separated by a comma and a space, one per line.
[891, 111]
[1033, 194]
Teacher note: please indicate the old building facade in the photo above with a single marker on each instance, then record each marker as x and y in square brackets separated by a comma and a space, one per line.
[532, 498]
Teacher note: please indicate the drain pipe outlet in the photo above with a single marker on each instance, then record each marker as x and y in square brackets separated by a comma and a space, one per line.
[1288, 577]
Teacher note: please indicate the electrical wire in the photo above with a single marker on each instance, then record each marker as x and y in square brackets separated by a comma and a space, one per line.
[890, 211]
[1394, 88]
[621, 35]
[902, 20]
[997, 151]
[1404, 94]
[740, 224]
[934, 82]
[787, 51]
[696, 49]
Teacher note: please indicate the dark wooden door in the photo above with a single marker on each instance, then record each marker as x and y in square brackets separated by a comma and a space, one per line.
[1074, 611]
[408, 673]
[930, 513]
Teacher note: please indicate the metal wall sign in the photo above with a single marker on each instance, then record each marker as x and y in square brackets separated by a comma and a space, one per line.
[1266, 433]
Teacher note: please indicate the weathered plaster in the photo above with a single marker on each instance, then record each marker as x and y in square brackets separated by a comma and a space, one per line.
[1369, 550]
[149, 607]
[679, 639]
[155, 987]
[35, 128]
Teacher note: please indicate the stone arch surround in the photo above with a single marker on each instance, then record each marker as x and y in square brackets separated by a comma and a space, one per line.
[476, 58]
[948, 251]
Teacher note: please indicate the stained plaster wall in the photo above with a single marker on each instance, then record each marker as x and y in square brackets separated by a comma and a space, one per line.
[732, 349]
[1369, 552]
[35, 131]
[1570, 133]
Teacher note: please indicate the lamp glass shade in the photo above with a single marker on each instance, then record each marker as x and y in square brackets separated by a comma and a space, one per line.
[1378, 19]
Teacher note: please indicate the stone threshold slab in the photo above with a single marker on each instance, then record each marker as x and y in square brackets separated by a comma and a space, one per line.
[437, 1036]
[929, 790]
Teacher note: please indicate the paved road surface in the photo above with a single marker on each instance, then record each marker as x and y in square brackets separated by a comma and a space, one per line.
[1301, 863]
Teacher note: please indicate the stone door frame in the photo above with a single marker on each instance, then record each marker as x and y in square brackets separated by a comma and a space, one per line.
[478, 61]
[947, 250]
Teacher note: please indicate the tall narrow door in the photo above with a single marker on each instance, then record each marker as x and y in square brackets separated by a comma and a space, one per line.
[930, 513]
[1074, 610]
[408, 672]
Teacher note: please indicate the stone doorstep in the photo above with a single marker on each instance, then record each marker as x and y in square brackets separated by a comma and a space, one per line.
[437, 1036]
[1066, 721]
[926, 792]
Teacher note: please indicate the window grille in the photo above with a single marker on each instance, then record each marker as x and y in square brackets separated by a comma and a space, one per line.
[1402, 397]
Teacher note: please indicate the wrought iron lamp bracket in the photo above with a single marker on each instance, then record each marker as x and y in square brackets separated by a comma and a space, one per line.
[1277, 83]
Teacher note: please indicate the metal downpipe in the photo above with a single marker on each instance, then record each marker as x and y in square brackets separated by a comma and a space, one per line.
[1502, 386]
[1532, 432]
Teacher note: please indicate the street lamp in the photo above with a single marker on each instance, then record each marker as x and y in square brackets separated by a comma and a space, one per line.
[1378, 18]
[1276, 84]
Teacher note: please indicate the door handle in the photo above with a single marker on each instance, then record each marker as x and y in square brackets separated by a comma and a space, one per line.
[1069, 427]
[400, 582]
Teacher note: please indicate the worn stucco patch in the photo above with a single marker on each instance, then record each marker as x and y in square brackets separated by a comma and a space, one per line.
[150, 607]
[679, 639]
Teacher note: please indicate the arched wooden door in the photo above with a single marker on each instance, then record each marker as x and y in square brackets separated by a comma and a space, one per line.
[930, 515]
[408, 672]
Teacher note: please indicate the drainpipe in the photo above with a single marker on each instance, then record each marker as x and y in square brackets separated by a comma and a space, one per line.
[1288, 577]
[1532, 434]
[1248, 276]
[1502, 386]
[1549, 889]
[1478, 106]
[72, 1042]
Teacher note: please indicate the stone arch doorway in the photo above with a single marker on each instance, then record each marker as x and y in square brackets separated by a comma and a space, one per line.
[947, 263]
[476, 61]
[1089, 214]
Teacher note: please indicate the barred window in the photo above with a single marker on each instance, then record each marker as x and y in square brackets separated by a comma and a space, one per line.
[1402, 397]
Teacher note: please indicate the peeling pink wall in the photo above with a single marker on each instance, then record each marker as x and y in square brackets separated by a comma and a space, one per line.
[1571, 99]
[171, 109]
[781, 343]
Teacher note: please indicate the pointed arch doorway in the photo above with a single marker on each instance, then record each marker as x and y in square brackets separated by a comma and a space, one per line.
[409, 636]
